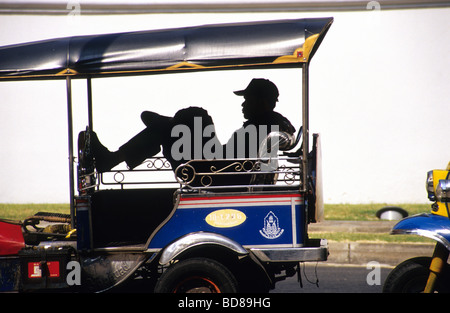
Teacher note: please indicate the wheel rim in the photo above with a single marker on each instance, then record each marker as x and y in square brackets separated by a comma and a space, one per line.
[197, 284]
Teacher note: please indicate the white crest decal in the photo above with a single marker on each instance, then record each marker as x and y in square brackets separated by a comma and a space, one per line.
[271, 228]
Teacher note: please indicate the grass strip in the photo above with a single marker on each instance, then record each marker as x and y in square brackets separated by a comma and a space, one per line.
[22, 211]
[337, 212]
[367, 212]
[342, 212]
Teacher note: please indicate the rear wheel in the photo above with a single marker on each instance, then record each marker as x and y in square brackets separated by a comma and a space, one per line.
[197, 275]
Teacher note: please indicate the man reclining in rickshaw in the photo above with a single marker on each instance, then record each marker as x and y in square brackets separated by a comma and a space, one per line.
[260, 99]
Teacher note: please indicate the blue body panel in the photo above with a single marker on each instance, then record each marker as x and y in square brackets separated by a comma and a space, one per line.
[266, 221]
[429, 225]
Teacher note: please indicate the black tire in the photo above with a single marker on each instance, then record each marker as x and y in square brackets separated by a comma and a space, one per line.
[197, 275]
[411, 276]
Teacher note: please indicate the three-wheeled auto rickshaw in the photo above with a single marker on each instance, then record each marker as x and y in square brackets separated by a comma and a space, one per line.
[125, 231]
[426, 273]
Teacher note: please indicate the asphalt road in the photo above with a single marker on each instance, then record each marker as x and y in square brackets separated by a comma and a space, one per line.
[336, 278]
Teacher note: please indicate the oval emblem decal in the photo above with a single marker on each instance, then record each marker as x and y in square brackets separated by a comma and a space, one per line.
[225, 218]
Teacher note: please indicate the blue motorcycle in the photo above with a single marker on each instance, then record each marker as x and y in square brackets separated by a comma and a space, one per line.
[426, 274]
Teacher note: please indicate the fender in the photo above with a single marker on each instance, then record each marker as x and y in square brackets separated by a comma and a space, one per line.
[196, 239]
[427, 225]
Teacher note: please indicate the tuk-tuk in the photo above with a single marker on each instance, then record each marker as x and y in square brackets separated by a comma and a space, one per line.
[191, 237]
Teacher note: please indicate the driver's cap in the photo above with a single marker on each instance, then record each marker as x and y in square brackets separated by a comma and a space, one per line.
[260, 88]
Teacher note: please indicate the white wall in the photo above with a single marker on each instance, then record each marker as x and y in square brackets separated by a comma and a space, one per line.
[379, 98]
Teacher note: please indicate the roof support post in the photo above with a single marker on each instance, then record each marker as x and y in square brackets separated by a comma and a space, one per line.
[89, 94]
[70, 141]
[305, 119]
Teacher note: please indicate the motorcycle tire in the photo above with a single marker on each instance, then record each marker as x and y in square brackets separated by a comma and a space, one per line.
[411, 276]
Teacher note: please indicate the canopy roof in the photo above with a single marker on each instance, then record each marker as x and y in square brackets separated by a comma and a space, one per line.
[270, 43]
